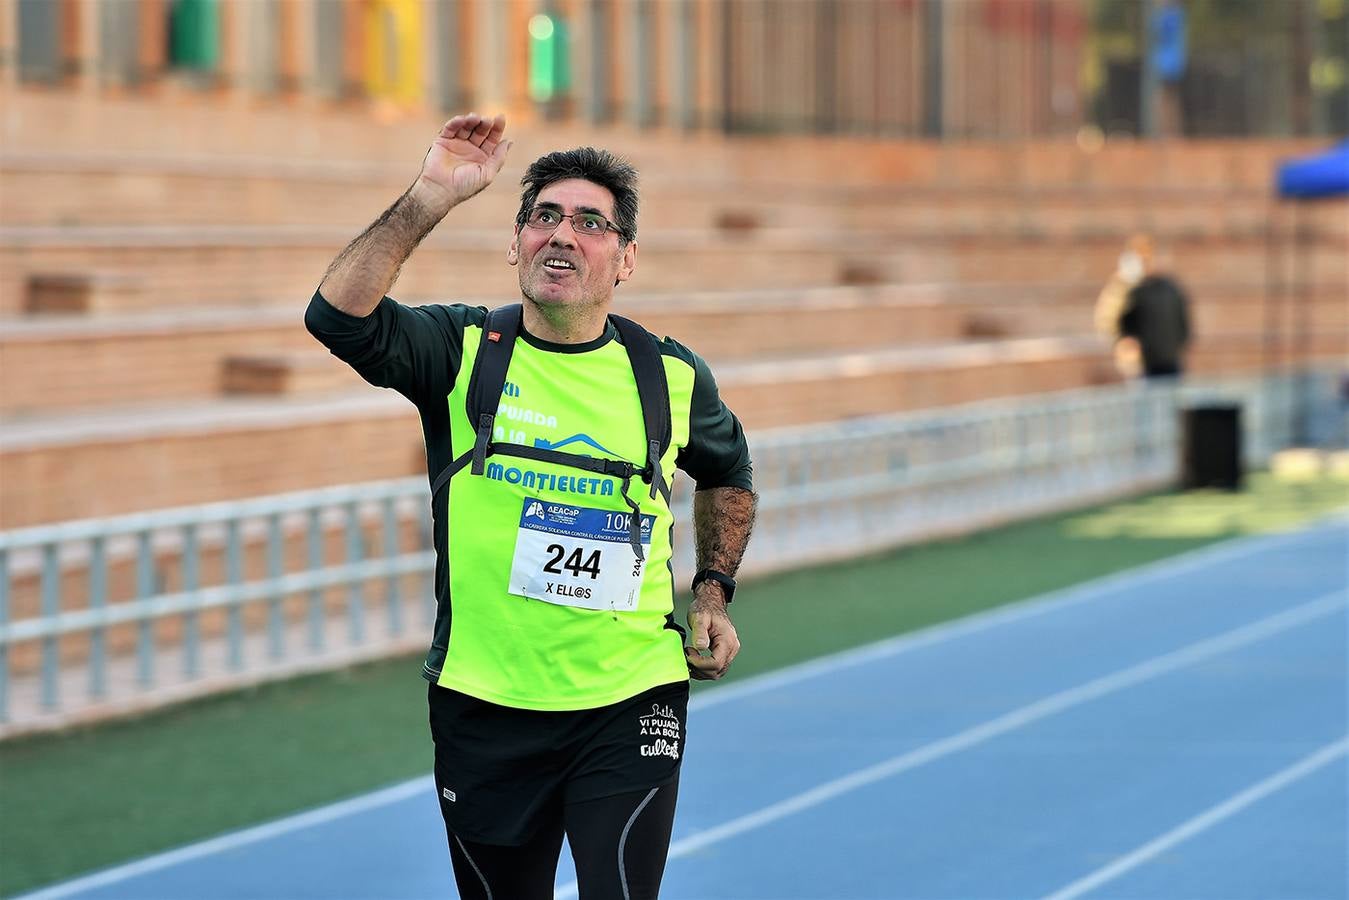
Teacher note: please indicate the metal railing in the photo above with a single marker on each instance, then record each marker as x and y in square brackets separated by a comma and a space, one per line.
[862, 486]
[111, 615]
[99, 578]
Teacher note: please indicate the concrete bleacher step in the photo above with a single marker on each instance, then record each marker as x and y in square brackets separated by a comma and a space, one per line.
[308, 371]
[54, 189]
[55, 363]
[81, 292]
[257, 266]
[66, 363]
[211, 125]
[123, 458]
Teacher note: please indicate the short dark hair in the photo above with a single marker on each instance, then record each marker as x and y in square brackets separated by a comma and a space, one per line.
[598, 166]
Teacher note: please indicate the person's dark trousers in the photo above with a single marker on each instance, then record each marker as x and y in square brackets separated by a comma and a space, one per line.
[619, 844]
[1162, 370]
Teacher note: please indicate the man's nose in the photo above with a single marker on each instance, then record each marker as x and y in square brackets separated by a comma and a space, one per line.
[564, 240]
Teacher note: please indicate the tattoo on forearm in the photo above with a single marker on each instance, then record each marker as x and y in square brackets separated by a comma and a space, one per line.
[722, 521]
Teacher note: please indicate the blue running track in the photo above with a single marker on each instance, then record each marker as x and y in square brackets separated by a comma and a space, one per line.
[1178, 731]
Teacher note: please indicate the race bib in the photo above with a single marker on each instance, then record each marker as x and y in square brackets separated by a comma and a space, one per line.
[573, 556]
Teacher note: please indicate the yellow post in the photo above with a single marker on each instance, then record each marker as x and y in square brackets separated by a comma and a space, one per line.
[393, 61]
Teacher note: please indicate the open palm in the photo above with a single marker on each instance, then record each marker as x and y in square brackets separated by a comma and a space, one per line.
[466, 155]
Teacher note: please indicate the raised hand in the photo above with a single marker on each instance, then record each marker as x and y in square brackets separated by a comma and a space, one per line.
[464, 158]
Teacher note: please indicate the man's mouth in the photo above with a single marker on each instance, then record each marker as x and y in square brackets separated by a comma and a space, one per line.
[556, 264]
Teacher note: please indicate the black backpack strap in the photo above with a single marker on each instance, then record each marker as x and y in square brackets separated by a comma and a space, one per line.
[447, 473]
[488, 379]
[654, 391]
[485, 383]
[489, 376]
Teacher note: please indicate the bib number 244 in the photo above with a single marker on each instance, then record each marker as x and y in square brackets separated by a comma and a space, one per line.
[577, 557]
[573, 564]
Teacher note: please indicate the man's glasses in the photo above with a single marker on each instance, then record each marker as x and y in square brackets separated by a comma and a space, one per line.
[545, 218]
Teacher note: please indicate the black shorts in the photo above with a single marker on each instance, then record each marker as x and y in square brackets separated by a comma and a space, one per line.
[502, 771]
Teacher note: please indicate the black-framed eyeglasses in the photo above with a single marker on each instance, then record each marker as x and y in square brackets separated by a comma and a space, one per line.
[545, 218]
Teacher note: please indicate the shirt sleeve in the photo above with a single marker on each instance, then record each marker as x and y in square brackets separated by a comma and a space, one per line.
[1110, 306]
[717, 454]
[416, 350]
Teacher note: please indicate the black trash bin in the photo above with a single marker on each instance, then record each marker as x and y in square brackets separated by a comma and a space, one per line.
[1211, 448]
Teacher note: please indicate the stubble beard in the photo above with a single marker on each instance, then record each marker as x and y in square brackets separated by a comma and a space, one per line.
[578, 307]
[561, 312]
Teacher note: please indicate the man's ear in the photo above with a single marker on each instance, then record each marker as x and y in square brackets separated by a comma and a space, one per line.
[513, 251]
[628, 264]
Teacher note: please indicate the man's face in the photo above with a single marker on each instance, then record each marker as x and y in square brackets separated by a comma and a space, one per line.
[565, 266]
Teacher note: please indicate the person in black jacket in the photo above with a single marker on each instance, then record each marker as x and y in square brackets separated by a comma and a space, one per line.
[1147, 312]
[1157, 316]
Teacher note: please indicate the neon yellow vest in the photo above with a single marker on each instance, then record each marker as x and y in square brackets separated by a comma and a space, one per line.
[529, 653]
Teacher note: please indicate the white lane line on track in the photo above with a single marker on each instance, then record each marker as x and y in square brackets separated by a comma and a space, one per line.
[1205, 820]
[424, 785]
[1129, 579]
[934, 634]
[1017, 718]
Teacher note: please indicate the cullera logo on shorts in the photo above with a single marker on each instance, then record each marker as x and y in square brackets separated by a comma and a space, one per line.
[663, 725]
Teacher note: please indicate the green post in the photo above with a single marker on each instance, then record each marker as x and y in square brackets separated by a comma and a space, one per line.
[549, 58]
[194, 34]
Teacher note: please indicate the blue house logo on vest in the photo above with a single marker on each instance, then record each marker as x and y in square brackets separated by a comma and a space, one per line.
[584, 439]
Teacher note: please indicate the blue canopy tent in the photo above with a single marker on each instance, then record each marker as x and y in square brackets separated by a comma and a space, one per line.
[1309, 179]
[1316, 177]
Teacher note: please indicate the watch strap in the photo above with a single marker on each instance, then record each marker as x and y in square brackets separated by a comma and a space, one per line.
[726, 581]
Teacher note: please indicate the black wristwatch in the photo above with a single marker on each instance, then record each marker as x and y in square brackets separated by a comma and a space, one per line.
[726, 581]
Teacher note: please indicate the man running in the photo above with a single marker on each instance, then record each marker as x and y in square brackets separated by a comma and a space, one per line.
[559, 677]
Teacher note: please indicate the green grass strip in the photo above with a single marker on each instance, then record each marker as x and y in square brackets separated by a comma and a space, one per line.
[94, 797]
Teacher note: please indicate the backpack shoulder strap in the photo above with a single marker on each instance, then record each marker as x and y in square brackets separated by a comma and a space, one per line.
[489, 376]
[485, 383]
[652, 387]
[488, 379]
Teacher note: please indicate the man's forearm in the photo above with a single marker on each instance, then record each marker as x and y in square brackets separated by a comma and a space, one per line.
[366, 270]
[722, 521]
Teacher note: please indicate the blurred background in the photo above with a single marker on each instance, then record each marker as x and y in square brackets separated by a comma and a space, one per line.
[905, 233]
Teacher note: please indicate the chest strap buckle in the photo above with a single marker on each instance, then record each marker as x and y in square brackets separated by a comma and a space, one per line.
[481, 446]
[653, 462]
